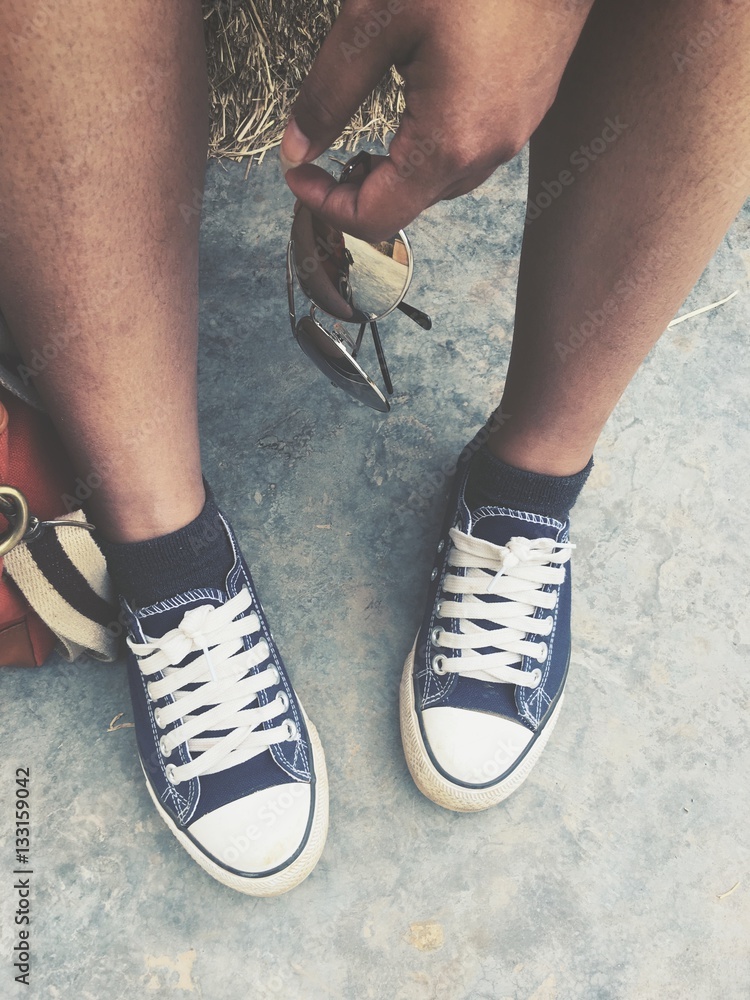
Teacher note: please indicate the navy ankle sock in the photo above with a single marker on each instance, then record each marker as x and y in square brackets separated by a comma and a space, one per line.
[493, 483]
[198, 555]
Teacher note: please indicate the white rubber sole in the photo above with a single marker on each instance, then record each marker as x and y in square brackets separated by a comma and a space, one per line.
[296, 872]
[436, 786]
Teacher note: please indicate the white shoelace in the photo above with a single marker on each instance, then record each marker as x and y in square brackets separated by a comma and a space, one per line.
[516, 572]
[224, 698]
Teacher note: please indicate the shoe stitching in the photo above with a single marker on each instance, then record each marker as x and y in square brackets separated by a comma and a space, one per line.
[299, 749]
[180, 601]
[238, 572]
[459, 519]
[539, 694]
[234, 576]
[181, 805]
[537, 697]
[519, 515]
[170, 791]
[432, 680]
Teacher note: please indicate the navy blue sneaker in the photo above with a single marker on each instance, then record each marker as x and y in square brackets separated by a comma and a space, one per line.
[233, 765]
[483, 685]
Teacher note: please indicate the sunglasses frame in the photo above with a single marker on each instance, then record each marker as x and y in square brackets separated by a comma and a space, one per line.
[357, 380]
[348, 350]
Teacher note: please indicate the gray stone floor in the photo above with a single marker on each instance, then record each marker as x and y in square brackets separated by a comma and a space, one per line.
[606, 875]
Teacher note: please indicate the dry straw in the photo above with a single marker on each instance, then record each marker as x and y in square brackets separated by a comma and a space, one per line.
[259, 51]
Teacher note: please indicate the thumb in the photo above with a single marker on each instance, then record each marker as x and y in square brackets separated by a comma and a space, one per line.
[351, 62]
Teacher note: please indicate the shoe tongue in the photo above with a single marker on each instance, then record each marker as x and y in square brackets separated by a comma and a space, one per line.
[158, 619]
[499, 525]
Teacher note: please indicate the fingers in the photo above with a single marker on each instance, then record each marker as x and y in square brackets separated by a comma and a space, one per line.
[386, 201]
[474, 94]
[422, 166]
[351, 62]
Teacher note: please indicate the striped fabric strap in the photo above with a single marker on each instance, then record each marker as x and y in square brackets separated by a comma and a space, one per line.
[63, 576]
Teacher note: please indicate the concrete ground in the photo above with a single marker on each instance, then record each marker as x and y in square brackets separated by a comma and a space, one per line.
[621, 869]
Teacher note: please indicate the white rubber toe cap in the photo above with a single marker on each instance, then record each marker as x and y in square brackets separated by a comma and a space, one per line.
[473, 747]
[258, 833]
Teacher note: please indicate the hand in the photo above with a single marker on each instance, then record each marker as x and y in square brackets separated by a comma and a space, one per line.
[480, 76]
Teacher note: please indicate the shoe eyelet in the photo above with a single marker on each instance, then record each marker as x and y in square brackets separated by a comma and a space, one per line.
[543, 651]
[550, 623]
[438, 664]
[170, 771]
[434, 573]
[441, 545]
[265, 647]
[164, 751]
[273, 670]
[157, 718]
[435, 636]
[439, 610]
[536, 677]
[292, 733]
[283, 700]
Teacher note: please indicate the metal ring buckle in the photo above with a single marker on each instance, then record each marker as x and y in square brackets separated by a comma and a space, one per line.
[14, 507]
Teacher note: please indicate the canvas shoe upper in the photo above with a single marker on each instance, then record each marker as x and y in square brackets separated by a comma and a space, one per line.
[483, 684]
[231, 761]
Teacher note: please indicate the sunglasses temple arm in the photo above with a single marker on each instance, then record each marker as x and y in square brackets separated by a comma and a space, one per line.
[420, 318]
[381, 359]
[360, 335]
[290, 285]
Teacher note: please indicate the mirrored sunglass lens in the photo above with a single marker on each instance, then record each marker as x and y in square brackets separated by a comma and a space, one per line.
[321, 265]
[333, 360]
[349, 278]
[378, 274]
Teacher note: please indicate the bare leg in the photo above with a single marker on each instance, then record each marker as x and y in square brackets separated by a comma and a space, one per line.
[622, 231]
[103, 116]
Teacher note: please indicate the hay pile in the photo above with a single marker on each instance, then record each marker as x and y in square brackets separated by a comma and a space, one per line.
[259, 51]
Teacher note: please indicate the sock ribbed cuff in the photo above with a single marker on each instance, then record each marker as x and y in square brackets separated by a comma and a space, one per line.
[198, 555]
[493, 483]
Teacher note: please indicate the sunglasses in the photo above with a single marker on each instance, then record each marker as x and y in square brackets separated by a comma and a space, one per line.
[347, 280]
